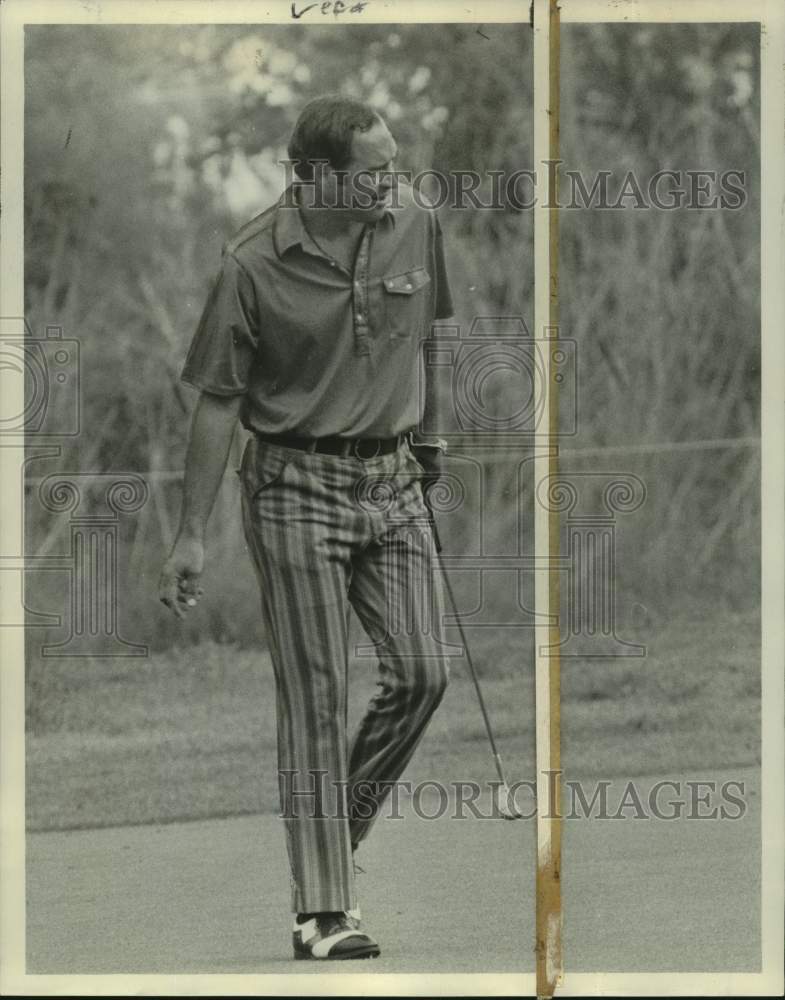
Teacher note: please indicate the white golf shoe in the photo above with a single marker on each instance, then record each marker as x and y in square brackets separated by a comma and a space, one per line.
[332, 936]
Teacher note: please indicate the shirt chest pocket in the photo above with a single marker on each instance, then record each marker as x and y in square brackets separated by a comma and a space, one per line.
[405, 298]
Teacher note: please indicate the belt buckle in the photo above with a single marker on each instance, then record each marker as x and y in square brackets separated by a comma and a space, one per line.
[357, 447]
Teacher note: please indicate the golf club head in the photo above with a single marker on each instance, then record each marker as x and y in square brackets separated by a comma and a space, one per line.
[505, 803]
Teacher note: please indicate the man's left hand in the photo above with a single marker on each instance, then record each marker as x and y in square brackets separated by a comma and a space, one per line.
[431, 458]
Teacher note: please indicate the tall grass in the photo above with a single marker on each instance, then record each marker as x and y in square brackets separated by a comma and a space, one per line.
[662, 307]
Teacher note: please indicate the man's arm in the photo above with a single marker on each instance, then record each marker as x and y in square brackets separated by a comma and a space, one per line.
[212, 429]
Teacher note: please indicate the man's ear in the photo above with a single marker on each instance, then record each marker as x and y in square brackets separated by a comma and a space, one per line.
[322, 171]
[339, 176]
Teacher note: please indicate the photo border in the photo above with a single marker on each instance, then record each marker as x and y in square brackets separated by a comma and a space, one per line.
[13, 978]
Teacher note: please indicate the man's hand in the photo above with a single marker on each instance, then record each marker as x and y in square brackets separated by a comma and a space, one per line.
[179, 586]
[431, 458]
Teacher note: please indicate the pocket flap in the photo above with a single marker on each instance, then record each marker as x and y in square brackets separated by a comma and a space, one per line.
[408, 282]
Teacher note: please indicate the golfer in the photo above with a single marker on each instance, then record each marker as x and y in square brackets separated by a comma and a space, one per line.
[312, 337]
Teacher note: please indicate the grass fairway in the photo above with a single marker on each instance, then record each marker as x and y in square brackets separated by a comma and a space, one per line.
[191, 733]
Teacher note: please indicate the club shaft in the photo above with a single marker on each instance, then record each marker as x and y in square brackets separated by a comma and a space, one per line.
[454, 608]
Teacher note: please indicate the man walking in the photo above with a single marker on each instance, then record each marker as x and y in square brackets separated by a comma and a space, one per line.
[312, 337]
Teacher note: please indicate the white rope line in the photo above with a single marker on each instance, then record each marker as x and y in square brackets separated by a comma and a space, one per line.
[613, 449]
[665, 446]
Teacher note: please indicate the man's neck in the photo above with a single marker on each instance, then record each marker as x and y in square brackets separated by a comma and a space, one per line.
[331, 223]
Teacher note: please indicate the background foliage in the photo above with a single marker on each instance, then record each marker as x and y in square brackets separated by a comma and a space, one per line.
[146, 148]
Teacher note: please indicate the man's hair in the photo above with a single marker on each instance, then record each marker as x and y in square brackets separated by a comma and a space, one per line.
[324, 131]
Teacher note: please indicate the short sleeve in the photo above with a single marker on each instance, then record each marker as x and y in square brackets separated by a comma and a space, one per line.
[226, 340]
[442, 299]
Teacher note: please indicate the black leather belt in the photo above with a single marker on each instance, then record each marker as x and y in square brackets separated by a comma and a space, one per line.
[340, 446]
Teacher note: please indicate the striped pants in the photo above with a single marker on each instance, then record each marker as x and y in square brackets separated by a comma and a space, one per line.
[325, 534]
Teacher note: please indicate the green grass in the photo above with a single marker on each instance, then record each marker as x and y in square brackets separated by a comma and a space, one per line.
[191, 733]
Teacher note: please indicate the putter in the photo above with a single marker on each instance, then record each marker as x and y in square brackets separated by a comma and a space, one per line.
[504, 798]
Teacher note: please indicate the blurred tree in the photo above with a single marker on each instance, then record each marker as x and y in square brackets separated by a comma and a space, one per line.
[146, 148]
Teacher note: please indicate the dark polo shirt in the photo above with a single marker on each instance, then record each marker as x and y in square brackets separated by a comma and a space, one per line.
[314, 349]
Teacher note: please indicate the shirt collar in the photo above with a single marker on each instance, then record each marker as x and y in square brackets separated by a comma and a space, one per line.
[289, 229]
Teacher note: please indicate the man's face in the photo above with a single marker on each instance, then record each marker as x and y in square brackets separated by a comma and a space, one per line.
[365, 182]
